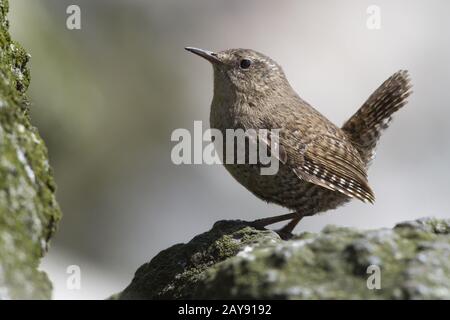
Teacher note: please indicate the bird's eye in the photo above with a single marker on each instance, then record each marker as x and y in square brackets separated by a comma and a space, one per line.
[245, 63]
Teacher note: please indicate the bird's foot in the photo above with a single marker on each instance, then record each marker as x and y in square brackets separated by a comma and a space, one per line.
[262, 223]
[257, 224]
[284, 234]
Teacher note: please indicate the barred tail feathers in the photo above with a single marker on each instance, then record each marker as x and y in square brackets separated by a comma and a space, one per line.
[365, 127]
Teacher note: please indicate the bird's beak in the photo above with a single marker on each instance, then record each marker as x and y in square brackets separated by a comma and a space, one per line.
[208, 55]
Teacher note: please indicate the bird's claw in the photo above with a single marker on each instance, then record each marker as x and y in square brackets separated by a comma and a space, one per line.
[285, 235]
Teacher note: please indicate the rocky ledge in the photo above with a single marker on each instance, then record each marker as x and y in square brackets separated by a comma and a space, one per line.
[235, 261]
[28, 210]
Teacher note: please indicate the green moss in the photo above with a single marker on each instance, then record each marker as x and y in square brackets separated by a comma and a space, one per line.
[253, 264]
[28, 209]
[174, 272]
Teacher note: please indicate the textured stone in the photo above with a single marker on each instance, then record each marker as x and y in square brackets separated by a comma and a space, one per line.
[233, 260]
[28, 209]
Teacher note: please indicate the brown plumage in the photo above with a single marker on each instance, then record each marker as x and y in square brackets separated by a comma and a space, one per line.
[364, 128]
[322, 166]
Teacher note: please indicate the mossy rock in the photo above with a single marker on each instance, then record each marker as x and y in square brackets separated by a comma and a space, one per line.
[28, 209]
[235, 261]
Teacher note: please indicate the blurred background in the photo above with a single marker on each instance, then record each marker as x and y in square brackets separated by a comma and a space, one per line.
[106, 99]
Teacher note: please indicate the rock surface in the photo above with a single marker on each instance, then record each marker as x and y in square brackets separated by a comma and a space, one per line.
[28, 209]
[235, 261]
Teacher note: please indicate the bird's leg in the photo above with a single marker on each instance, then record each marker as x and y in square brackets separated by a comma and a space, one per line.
[286, 232]
[261, 223]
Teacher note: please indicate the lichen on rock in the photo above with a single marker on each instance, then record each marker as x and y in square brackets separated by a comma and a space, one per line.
[235, 261]
[28, 209]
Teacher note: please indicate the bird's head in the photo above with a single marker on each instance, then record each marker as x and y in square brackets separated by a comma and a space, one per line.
[244, 70]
